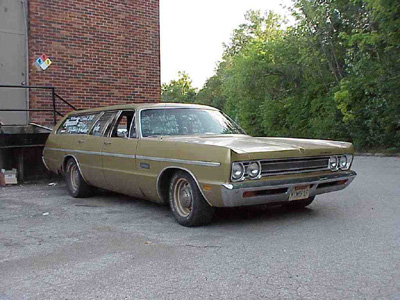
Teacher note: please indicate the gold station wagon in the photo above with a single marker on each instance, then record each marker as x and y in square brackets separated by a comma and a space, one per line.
[193, 158]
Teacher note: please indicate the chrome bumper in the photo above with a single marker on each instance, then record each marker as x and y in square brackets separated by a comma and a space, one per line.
[279, 190]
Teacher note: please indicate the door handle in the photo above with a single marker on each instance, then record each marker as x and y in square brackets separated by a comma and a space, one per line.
[81, 141]
[107, 143]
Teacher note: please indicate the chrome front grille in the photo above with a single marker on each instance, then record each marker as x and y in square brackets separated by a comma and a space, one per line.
[294, 165]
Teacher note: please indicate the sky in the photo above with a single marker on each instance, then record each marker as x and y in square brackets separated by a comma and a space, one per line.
[193, 32]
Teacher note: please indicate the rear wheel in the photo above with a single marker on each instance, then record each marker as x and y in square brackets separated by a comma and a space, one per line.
[77, 186]
[187, 203]
[298, 204]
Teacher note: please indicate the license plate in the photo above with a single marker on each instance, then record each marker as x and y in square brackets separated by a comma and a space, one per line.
[299, 193]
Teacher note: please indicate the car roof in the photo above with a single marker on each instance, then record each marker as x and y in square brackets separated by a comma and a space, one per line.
[144, 106]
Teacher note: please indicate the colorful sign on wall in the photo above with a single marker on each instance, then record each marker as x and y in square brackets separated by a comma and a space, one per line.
[43, 62]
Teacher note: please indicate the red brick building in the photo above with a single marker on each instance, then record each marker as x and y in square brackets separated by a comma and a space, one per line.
[103, 52]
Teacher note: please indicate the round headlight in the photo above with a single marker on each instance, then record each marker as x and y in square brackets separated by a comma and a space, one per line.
[237, 171]
[333, 163]
[254, 170]
[342, 162]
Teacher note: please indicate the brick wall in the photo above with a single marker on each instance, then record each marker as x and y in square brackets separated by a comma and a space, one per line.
[104, 52]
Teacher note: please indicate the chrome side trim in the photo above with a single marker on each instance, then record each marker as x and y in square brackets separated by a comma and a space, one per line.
[93, 153]
[183, 169]
[118, 155]
[171, 160]
[180, 161]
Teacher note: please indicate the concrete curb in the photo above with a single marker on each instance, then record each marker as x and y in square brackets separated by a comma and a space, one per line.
[378, 154]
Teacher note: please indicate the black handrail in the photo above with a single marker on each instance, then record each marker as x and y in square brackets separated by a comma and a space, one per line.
[54, 96]
[65, 101]
[32, 109]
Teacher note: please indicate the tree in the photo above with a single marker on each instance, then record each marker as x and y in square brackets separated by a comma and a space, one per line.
[334, 74]
[211, 93]
[179, 90]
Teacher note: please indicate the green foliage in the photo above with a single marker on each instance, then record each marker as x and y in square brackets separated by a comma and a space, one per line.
[335, 74]
[179, 90]
[211, 93]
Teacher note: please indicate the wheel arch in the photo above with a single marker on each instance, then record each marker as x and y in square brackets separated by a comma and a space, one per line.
[64, 165]
[164, 179]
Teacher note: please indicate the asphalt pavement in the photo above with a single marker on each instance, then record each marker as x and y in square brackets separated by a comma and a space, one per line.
[346, 245]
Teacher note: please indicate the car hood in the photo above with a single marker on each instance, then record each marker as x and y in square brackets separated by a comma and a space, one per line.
[262, 147]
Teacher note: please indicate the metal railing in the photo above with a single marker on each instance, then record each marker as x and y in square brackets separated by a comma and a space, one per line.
[54, 96]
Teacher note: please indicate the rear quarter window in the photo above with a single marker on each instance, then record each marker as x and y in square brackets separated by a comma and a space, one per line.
[77, 124]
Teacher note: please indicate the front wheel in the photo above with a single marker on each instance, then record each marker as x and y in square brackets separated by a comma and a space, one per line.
[77, 186]
[187, 203]
[298, 204]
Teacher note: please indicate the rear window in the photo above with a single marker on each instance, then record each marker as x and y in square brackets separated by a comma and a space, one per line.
[77, 124]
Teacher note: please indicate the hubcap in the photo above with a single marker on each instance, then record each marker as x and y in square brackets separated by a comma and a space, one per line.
[183, 197]
[74, 177]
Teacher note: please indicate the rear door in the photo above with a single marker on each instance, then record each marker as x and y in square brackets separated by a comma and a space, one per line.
[92, 163]
[119, 155]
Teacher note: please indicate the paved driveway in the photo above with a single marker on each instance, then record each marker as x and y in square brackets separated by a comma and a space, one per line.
[345, 246]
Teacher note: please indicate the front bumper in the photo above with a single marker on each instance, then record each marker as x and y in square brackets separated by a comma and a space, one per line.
[265, 192]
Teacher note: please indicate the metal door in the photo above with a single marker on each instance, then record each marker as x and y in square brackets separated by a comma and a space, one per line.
[13, 60]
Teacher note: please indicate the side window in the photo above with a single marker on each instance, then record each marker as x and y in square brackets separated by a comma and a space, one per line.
[101, 124]
[77, 124]
[123, 126]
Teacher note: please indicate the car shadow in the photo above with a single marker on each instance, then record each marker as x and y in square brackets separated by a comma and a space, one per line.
[109, 198]
[235, 215]
[251, 214]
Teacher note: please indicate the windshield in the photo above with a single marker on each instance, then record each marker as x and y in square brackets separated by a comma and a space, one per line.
[186, 121]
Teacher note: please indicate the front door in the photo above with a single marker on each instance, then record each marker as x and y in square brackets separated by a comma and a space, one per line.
[119, 155]
[13, 57]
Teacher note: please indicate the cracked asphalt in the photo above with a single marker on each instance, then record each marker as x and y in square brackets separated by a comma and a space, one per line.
[346, 245]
